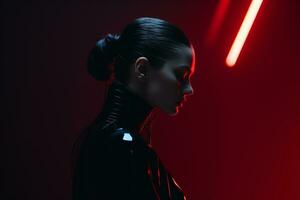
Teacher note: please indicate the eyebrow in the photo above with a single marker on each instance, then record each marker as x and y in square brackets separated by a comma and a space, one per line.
[184, 67]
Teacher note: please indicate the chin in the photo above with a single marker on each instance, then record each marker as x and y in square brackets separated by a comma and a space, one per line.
[171, 110]
[174, 111]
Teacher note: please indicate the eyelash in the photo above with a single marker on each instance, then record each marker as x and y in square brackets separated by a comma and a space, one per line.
[180, 77]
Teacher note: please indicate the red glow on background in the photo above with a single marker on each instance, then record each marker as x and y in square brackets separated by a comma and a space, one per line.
[218, 18]
[243, 33]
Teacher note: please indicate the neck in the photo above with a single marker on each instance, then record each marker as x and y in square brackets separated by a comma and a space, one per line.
[125, 109]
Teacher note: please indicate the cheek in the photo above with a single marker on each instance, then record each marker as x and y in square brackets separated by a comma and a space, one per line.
[163, 89]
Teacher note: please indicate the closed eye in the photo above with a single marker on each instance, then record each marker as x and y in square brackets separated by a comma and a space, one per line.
[182, 74]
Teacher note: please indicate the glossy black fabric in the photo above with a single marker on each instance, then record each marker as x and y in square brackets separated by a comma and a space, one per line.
[114, 161]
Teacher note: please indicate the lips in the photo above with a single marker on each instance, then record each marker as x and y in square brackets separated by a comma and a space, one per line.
[180, 102]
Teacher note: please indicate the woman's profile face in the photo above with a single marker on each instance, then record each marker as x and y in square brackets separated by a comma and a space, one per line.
[169, 86]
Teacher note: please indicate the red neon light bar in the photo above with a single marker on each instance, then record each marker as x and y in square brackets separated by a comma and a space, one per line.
[243, 33]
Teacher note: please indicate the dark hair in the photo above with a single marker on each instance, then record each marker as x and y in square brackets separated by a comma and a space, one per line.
[153, 38]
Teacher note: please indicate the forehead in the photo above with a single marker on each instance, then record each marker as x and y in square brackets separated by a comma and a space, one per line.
[184, 59]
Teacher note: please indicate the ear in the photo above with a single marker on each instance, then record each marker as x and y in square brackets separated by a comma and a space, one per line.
[141, 68]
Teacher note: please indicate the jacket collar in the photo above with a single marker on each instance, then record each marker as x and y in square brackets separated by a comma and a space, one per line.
[124, 109]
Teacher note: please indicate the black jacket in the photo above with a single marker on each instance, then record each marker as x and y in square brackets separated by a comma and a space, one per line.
[114, 161]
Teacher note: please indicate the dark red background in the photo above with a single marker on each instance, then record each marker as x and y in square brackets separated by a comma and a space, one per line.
[236, 138]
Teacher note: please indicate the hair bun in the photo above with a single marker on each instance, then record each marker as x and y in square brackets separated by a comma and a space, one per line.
[101, 57]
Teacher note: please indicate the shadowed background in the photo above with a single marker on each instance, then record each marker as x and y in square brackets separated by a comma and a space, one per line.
[236, 138]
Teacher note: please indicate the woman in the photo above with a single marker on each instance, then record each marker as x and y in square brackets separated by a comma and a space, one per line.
[148, 67]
